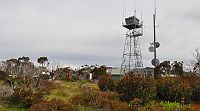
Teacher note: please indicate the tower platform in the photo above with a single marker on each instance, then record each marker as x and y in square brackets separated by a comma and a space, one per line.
[132, 23]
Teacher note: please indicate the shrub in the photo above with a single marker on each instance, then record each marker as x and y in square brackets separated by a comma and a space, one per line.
[195, 86]
[120, 106]
[53, 105]
[48, 85]
[131, 87]
[3, 75]
[100, 100]
[174, 106]
[135, 101]
[106, 83]
[99, 71]
[24, 98]
[83, 81]
[135, 104]
[94, 98]
[151, 106]
[174, 90]
[44, 77]
[5, 91]
[196, 92]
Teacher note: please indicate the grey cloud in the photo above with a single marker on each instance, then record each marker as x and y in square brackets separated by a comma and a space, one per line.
[193, 15]
[82, 32]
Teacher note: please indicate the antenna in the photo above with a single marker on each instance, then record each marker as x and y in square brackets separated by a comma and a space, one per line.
[155, 45]
[155, 8]
[135, 8]
[141, 17]
[124, 11]
[155, 13]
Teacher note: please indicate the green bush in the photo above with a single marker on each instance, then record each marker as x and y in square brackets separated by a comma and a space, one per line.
[131, 87]
[174, 90]
[150, 106]
[106, 83]
[53, 105]
[174, 106]
[83, 81]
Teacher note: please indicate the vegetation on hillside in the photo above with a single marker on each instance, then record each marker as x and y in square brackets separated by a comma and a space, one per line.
[26, 87]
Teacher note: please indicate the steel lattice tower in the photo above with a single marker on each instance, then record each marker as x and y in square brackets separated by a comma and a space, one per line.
[132, 57]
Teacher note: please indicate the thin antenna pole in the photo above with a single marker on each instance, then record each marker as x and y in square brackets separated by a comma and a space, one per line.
[155, 8]
[154, 27]
[154, 34]
[135, 8]
[124, 12]
[154, 42]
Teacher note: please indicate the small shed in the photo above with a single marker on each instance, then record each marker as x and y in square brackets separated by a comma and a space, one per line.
[115, 73]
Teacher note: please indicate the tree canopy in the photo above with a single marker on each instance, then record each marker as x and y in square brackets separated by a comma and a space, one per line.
[43, 61]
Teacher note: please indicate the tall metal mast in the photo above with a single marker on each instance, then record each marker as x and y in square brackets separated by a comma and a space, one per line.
[155, 45]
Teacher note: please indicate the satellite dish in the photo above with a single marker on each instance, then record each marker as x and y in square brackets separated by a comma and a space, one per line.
[155, 62]
[157, 44]
[151, 49]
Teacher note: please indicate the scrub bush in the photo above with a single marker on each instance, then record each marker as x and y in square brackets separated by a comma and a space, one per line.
[24, 98]
[195, 87]
[106, 83]
[100, 100]
[174, 90]
[174, 106]
[3, 75]
[53, 105]
[131, 87]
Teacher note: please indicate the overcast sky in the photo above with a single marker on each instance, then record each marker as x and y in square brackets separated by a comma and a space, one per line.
[78, 32]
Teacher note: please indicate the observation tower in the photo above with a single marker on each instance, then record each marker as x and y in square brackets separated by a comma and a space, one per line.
[132, 57]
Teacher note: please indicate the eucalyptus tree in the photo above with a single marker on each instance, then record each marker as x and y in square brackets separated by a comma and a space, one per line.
[26, 67]
[177, 68]
[43, 61]
[12, 66]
